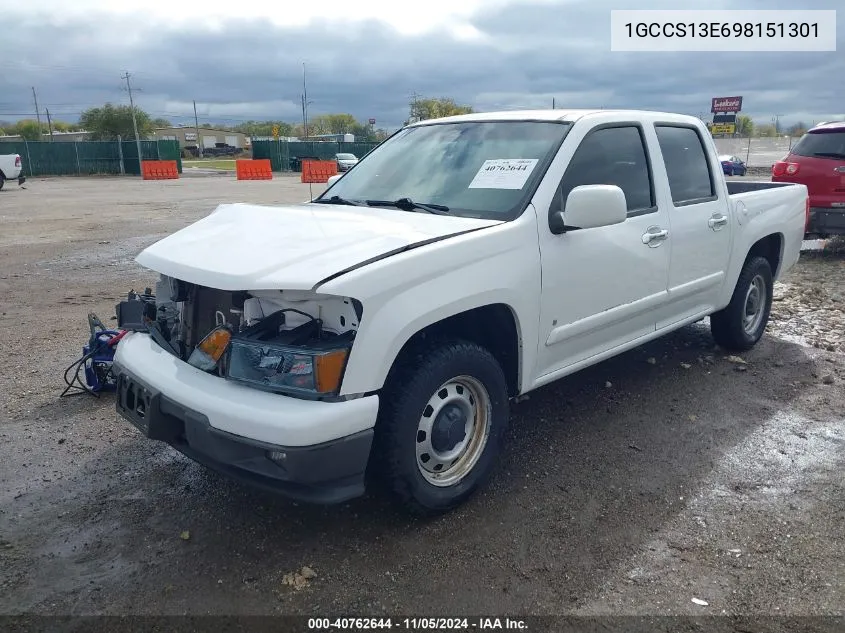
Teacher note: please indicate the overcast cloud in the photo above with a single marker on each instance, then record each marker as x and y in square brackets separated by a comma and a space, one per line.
[367, 58]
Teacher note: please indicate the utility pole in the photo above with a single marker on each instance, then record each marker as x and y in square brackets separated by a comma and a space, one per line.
[197, 128]
[304, 103]
[776, 121]
[134, 121]
[49, 123]
[553, 103]
[37, 113]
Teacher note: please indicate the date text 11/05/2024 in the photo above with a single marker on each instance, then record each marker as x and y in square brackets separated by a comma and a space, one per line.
[722, 29]
[417, 624]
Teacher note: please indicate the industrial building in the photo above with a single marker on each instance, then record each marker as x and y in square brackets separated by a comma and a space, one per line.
[187, 137]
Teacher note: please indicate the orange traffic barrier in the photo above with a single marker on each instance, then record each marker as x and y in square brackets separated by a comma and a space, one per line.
[318, 170]
[159, 169]
[253, 169]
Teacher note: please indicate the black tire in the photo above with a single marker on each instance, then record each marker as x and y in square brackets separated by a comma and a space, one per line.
[728, 325]
[414, 380]
[2, 180]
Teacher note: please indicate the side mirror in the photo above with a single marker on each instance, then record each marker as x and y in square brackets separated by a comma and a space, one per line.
[333, 179]
[590, 207]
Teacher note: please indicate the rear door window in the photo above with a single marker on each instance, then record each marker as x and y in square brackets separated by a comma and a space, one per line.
[687, 167]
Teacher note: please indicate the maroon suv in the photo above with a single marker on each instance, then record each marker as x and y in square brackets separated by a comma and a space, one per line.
[818, 161]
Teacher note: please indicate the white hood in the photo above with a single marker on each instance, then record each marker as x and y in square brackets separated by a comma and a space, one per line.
[251, 247]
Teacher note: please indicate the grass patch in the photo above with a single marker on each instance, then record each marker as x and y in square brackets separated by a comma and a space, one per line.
[211, 163]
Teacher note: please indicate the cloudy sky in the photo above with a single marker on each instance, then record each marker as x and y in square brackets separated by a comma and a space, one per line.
[243, 60]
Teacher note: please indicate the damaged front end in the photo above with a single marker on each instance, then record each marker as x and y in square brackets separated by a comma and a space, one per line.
[293, 342]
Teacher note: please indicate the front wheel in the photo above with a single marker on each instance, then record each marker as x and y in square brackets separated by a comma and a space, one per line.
[442, 418]
[740, 325]
[2, 180]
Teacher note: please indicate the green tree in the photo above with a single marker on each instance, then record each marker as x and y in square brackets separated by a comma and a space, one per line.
[744, 125]
[29, 130]
[160, 122]
[110, 121]
[263, 128]
[799, 129]
[436, 108]
[767, 131]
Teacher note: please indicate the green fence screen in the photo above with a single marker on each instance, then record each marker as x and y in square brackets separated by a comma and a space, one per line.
[285, 156]
[43, 158]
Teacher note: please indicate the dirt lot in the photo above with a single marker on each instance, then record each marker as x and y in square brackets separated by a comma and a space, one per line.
[667, 474]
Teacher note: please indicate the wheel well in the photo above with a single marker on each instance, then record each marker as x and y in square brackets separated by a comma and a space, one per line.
[769, 247]
[491, 326]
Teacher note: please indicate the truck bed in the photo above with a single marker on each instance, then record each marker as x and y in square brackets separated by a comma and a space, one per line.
[765, 207]
[744, 186]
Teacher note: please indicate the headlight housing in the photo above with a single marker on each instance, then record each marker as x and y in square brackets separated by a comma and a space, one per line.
[282, 368]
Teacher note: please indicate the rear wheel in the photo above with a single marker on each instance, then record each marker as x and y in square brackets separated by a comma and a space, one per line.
[2, 179]
[742, 323]
[442, 418]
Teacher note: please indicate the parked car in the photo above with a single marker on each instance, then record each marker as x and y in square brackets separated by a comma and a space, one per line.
[380, 332]
[10, 169]
[345, 162]
[732, 165]
[817, 160]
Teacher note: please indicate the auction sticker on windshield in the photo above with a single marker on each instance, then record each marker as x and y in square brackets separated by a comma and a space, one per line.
[503, 173]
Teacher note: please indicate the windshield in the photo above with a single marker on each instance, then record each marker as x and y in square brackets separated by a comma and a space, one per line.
[482, 169]
[829, 144]
[346, 157]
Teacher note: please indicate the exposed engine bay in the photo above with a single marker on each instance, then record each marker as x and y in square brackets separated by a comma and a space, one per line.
[274, 339]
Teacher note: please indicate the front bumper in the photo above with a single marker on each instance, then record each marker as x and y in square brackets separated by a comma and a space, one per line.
[319, 450]
[826, 221]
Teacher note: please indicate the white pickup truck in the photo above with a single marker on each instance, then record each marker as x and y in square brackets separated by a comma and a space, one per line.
[10, 169]
[378, 333]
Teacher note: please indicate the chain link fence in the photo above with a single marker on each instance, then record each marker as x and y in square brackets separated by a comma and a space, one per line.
[756, 152]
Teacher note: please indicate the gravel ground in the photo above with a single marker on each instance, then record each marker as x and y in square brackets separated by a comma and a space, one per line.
[668, 474]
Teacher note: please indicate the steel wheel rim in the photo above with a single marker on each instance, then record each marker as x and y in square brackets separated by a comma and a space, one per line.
[754, 306]
[440, 463]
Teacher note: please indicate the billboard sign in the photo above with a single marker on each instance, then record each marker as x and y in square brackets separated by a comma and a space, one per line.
[726, 104]
[372, 121]
[723, 128]
[724, 118]
[191, 136]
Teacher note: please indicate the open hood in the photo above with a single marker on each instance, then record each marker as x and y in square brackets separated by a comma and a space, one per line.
[294, 247]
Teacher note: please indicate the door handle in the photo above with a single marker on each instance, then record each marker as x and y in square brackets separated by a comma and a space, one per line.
[717, 222]
[655, 236]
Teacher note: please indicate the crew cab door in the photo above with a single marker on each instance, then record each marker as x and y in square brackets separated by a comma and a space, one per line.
[601, 287]
[699, 219]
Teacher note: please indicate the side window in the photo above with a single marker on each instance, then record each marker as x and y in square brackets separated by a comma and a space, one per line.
[690, 180]
[610, 156]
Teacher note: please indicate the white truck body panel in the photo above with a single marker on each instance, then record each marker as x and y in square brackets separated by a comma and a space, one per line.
[10, 166]
[251, 247]
[577, 297]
